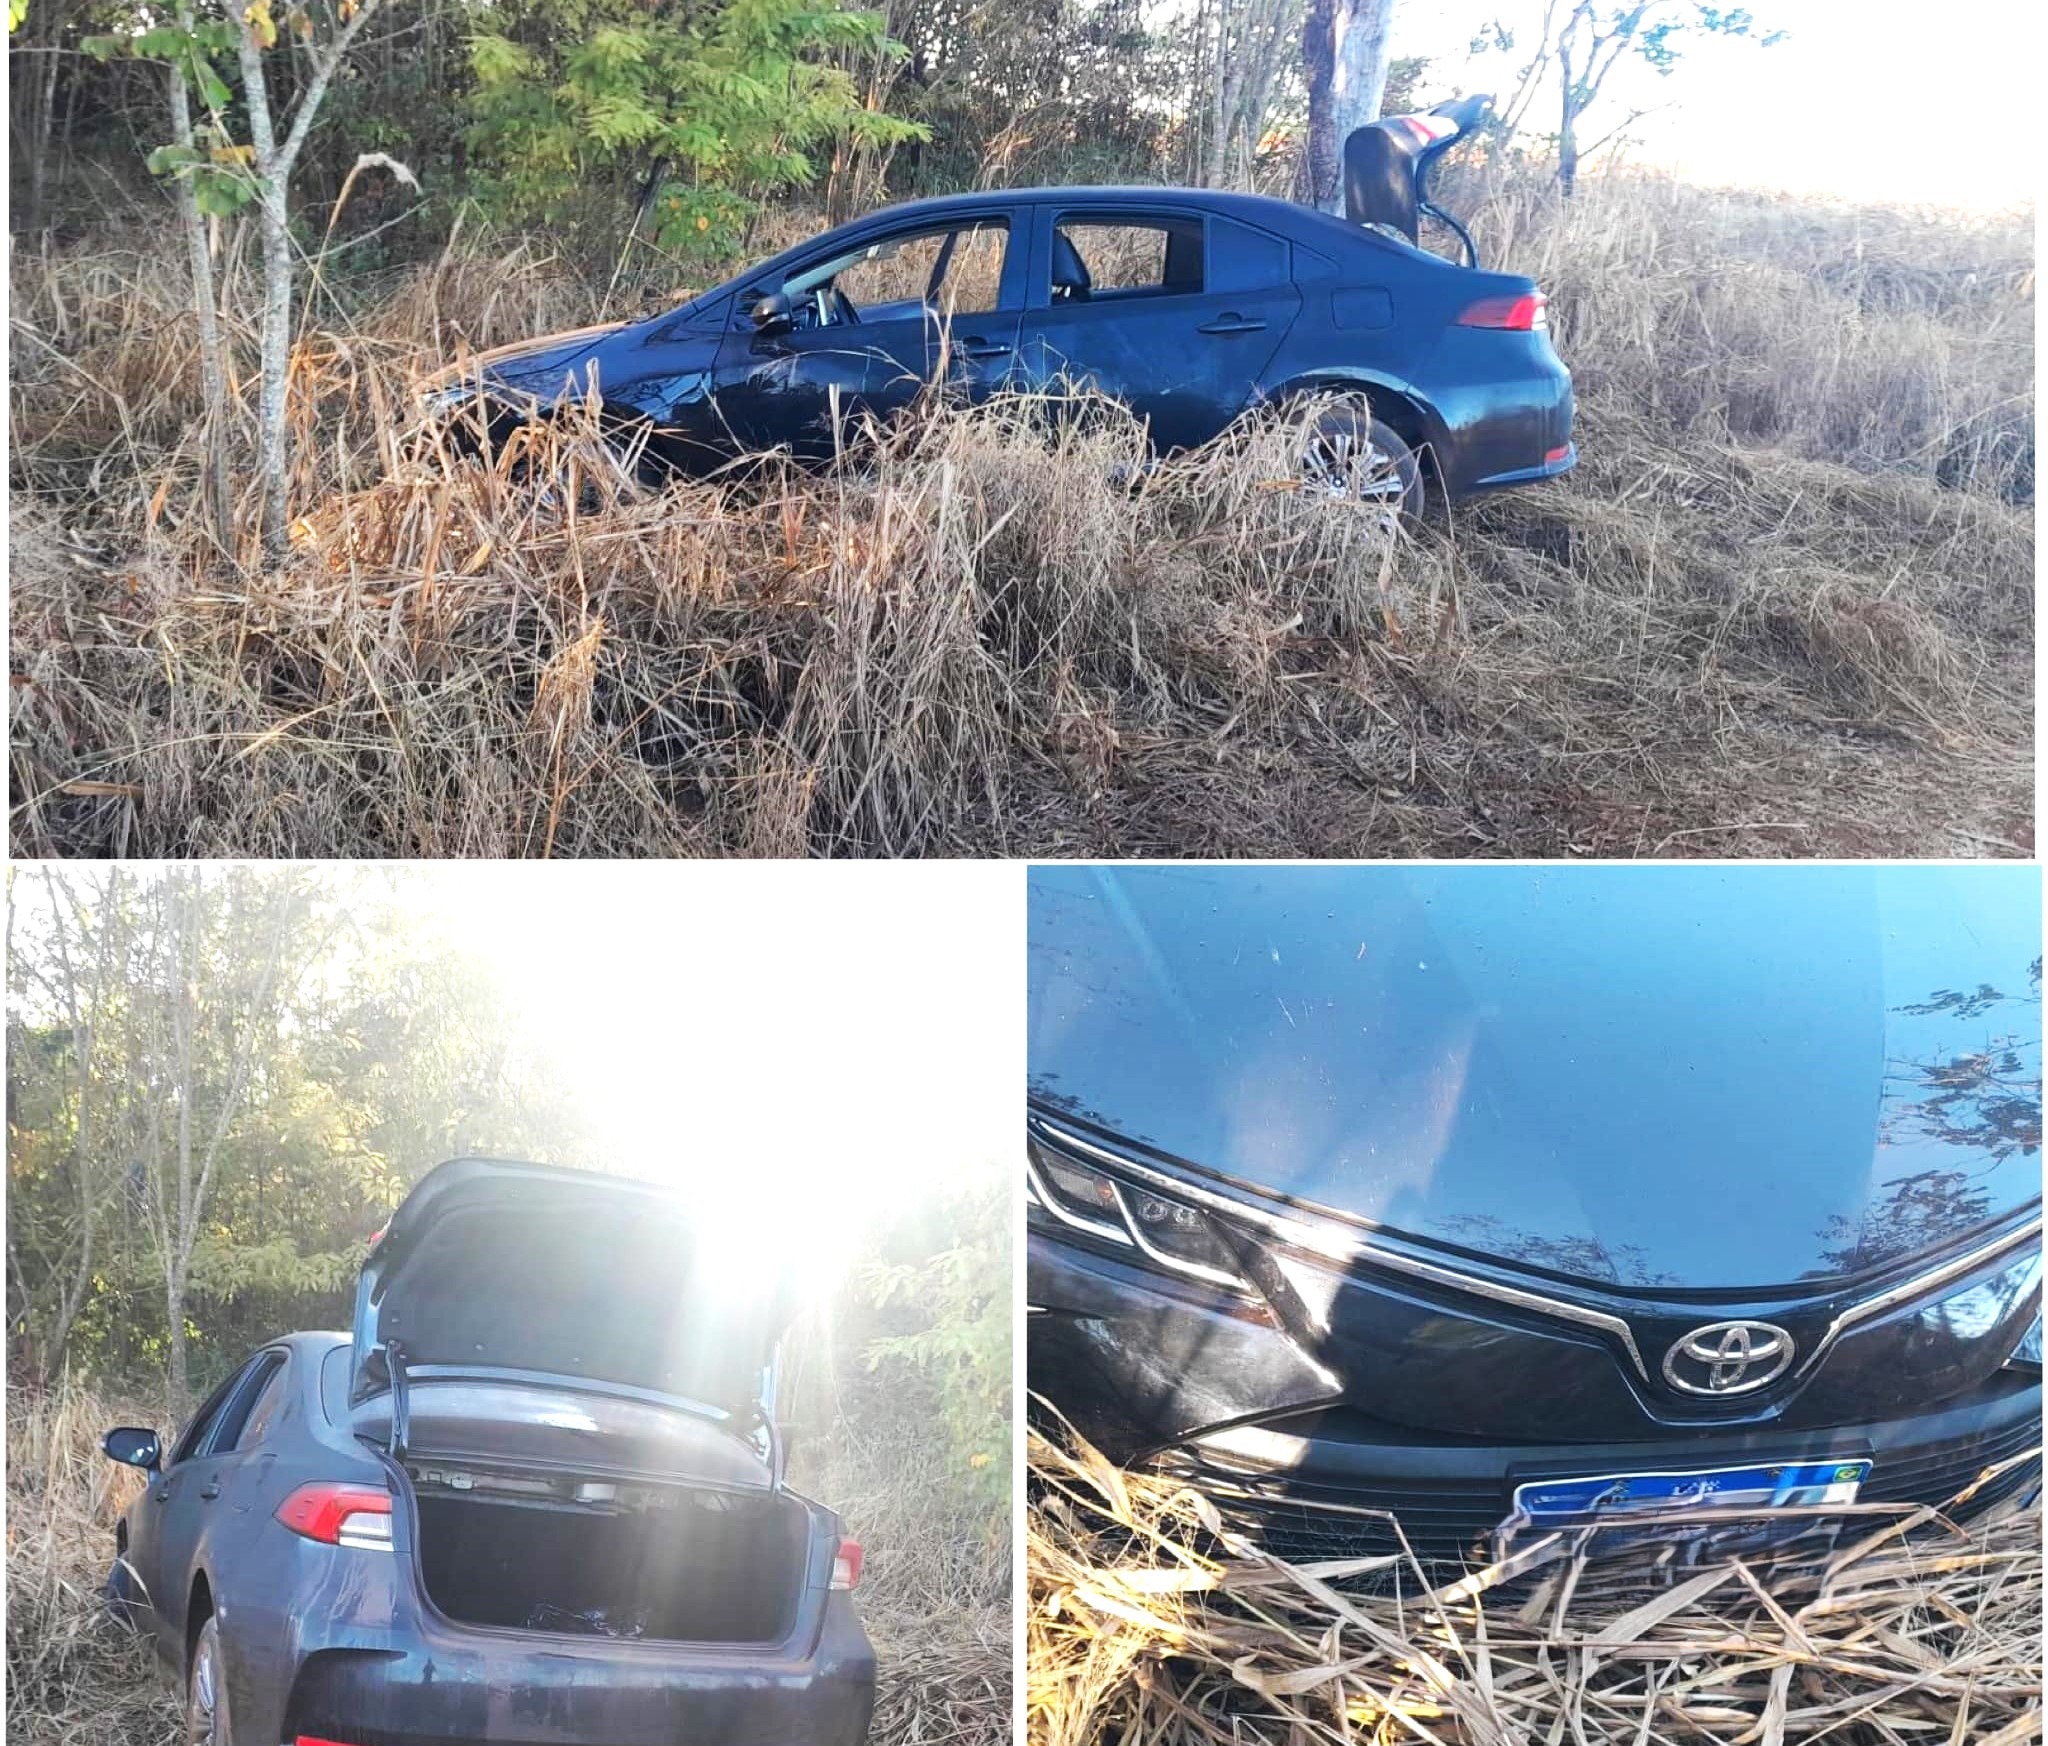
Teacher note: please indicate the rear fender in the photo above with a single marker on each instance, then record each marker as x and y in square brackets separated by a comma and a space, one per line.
[1400, 405]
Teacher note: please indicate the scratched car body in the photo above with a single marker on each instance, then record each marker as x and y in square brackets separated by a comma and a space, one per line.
[1190, 306]
[535, 1494]
[1503, 1203]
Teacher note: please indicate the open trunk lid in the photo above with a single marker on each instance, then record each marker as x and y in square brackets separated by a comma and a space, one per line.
[564, 1318]
[1387, 165]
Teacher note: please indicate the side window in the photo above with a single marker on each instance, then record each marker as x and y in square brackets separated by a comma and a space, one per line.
[265, 1397]
[1244, 259]
[1096, 260]
[204, 1420]
[957, 270]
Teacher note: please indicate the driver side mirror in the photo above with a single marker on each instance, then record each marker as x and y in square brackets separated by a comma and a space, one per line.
[774, 314]
[133, 1447]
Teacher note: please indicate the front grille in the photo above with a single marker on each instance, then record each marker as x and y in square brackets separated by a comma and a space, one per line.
[1451, 1523]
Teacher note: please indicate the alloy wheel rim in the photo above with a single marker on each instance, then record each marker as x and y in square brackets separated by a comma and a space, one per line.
[203, 1726]
[1344, 464]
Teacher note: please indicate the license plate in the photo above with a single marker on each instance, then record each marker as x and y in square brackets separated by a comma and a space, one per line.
[1795, 1484]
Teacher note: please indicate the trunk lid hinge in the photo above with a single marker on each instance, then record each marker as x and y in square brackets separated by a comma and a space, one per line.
[401, 1410]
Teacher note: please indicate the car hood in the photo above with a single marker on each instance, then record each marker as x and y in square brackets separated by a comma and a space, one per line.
[645, 364]
[1664, 1078]
[538, 1274]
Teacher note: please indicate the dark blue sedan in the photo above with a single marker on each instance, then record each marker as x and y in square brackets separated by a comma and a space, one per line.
[1191, 306]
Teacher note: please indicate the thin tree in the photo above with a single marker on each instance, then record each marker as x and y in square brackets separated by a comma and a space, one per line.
[273, 160]
[189, 1011]
[83, 1006]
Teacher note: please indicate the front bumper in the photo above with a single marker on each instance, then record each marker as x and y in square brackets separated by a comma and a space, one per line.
[435, 1684]
[1303, 1421]
[1299, 1486]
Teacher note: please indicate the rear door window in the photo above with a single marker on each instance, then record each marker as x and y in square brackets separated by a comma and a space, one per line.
[1244, 259]
[1115, 258]
[269, 1396]
[262, 1377]
[205, 1420]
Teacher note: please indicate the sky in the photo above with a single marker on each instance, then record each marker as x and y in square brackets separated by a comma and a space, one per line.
[1894, 101]
[801, 1046]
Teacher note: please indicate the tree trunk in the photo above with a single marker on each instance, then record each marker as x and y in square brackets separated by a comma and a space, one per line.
[213, 378]
[174, 1309]
[1344, 63]
[1568, 133]
[275, 327]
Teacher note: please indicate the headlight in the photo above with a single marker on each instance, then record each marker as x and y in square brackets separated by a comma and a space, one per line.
[1167, 1231]
[2027, 1354]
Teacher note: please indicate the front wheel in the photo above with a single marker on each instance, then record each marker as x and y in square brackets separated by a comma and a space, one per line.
[1350, 454]
[206, 1692]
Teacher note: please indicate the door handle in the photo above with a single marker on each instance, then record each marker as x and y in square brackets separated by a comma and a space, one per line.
[971, 348]
[210, 1489]
[1232, 324]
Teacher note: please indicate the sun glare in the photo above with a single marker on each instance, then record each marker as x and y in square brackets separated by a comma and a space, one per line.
[708, 1045]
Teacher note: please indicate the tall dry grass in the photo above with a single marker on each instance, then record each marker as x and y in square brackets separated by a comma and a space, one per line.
[72, 1675]
[1151, 1620]
[1784, 605]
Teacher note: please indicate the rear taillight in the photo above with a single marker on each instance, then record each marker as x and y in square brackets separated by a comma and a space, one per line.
[315, 1740]
[846, 1565]
[339, 1515]
[1523, 314]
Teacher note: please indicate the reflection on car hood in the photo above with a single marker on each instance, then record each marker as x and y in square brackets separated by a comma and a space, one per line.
[1683, 1078]
[521, 359]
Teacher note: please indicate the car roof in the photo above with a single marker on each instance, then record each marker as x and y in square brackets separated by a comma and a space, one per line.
[1090, 194]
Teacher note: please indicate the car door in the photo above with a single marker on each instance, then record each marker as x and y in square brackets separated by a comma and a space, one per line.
[198, 1504]
[1170, 309]
[876, 320]
[163, 1531]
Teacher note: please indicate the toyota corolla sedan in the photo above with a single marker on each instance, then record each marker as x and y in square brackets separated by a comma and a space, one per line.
[535, 1494]
[1191, 306]
[1504, 1203]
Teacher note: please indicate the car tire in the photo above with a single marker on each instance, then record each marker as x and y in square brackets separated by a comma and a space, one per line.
[1352, 455]
[206, 1692]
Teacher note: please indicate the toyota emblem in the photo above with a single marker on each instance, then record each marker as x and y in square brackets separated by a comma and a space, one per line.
[1725, 1358]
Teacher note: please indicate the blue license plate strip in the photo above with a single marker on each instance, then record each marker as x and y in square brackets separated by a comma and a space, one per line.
[1786, 1485]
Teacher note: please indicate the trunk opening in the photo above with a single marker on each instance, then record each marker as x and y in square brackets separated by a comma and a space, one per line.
[635, 1562]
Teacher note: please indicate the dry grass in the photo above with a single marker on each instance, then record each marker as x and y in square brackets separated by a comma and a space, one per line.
[1150, 1621]
[72, 1675]
[1784, 605]
[935, 1595]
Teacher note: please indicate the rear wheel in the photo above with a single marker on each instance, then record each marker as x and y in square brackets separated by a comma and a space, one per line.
[206, 1692]
[1350, 454]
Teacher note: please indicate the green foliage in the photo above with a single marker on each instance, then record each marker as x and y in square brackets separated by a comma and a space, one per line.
[223, 1270]
[722, 106]
[386, 1053]
[957, 1304]
[214, 165]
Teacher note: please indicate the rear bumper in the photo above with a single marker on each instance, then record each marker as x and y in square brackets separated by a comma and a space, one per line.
[1548, 469]
[432, 1685]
